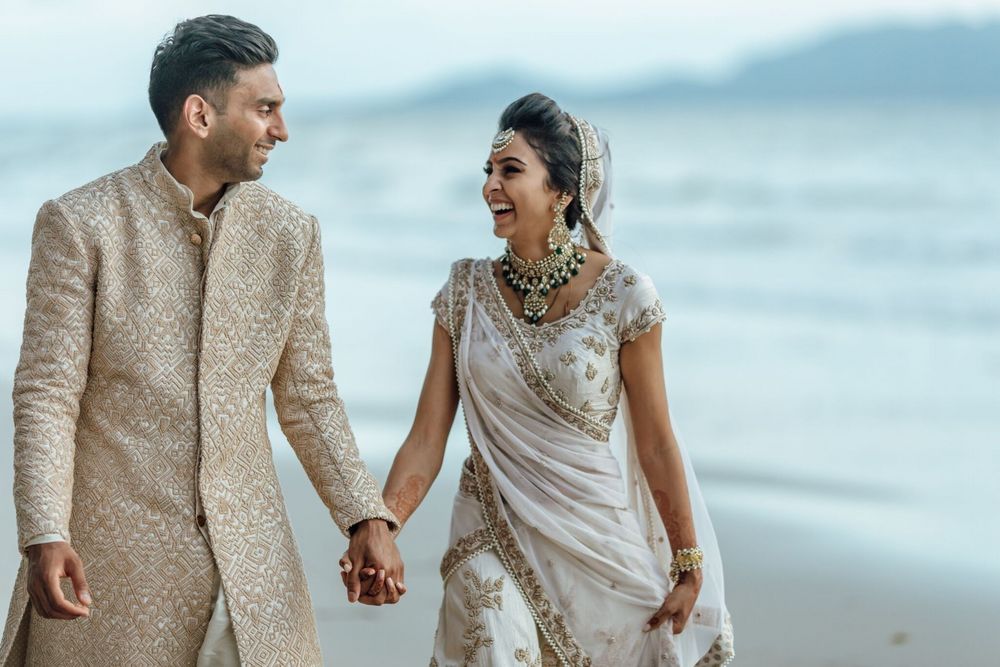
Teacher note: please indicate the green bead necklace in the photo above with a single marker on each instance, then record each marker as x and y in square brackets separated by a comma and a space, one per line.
[534, 279]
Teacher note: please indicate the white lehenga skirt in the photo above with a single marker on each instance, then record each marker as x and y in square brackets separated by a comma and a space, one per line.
[483, 621]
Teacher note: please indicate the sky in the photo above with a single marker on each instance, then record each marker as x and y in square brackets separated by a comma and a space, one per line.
[68, 58]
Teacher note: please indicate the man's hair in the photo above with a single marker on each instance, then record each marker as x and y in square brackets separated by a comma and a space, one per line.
[202, 56]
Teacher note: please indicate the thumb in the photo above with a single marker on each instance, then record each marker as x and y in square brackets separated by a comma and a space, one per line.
[74, 570]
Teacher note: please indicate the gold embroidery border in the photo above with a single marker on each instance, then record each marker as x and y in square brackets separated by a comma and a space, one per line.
[649, 317]
[548, 620]
[466, 548]
[533, 376]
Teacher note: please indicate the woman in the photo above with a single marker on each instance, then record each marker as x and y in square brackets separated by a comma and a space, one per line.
[556, 556]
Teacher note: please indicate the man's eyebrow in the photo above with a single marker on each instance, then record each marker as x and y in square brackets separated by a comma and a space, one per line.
[270, 101]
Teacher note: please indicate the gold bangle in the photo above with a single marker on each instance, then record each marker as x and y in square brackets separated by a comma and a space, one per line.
[686, 560]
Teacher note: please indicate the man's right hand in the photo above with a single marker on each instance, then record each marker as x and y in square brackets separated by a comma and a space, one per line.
[47, 564]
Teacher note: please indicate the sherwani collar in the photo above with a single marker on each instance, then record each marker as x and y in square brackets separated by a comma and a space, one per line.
[170, 190]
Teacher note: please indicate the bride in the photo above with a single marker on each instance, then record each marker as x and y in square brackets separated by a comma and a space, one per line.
[559, 555]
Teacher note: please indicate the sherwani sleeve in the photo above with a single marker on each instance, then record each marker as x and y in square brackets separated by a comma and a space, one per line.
[311, 413]
[51, 375]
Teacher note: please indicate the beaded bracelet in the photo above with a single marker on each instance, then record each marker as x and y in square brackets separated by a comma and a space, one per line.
[686, 560]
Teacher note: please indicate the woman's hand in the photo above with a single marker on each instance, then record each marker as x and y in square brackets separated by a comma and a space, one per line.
[371, 581]
[679, 603]
[372, 548]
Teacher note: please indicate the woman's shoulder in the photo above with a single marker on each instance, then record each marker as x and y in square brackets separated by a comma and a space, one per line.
[629, 279]
[639, 305]
[469, 264]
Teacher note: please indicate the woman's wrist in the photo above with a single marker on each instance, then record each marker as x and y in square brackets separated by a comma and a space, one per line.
[686, 561]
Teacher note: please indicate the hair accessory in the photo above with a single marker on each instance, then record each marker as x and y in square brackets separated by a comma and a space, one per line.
[502, 139]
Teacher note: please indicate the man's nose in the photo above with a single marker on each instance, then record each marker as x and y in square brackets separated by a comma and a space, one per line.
[278, 129]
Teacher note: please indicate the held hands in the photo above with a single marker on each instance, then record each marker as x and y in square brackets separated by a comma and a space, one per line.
[371, 568]
[47, 564]
[679, 603]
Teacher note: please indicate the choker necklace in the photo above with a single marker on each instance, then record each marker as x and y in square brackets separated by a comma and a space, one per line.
[535, 279]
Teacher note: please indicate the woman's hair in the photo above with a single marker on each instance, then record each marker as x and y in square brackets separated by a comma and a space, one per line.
[549, 130]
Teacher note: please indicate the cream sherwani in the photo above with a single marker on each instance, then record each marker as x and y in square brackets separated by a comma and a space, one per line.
[150, 338]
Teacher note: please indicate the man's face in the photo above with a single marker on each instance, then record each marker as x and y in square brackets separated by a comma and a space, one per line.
[248, 127]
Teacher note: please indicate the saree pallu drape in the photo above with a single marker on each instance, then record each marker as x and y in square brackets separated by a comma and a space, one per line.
[577, 536]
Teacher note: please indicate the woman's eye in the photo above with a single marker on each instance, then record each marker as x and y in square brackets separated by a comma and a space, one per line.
[487, 170]
[511, 170]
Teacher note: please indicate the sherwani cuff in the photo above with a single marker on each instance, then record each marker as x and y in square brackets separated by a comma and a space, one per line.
[44, 538]
[385, 515]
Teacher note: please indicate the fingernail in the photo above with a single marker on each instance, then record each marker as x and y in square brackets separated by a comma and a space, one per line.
[85, 598]
[352, 597]
[647, 628]
[346, 567]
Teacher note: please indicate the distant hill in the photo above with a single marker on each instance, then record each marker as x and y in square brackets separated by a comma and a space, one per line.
[887, 62]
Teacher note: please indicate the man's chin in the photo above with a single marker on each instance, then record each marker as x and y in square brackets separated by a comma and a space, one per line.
[252, 174]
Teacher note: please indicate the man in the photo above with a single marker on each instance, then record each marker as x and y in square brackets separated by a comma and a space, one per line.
[162, 301]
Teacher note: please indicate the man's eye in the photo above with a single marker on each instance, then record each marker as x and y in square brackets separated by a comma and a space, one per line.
[511, 170]
[487, 170]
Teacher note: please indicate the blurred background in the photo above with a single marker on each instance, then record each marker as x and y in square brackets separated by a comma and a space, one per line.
[813, 188]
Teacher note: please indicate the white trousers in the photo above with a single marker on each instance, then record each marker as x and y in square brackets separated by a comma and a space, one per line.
[219, 648]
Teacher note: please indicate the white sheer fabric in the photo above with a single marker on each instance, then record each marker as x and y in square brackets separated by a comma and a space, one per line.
[554, 507]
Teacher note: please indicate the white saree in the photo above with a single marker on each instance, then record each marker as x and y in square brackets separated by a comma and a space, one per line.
[556, 554]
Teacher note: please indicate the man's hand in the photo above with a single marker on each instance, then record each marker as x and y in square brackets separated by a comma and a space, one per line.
[372, 555]
[47, 564]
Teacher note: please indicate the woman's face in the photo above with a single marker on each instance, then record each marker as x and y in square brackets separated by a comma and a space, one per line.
[517, 192]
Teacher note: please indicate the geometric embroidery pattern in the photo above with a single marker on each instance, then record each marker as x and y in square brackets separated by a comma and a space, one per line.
[139, 405]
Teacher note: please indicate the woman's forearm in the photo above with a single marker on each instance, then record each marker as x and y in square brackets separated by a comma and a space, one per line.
[664, 471]
[414, 469]
[419, 459]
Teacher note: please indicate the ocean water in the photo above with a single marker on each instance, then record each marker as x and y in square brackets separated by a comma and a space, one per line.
[831, 276]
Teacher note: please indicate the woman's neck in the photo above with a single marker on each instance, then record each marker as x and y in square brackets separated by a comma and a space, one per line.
[532, 251]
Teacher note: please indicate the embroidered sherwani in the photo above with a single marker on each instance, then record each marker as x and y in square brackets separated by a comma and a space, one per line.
[150, 338]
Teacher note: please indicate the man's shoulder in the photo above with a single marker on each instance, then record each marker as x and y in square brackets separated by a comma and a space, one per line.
[96, 194]
[262, 200]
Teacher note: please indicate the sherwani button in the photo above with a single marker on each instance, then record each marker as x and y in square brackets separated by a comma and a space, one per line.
[201, 520]
[196, 238]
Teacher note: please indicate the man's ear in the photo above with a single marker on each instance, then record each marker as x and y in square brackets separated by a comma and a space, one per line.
[197, 115]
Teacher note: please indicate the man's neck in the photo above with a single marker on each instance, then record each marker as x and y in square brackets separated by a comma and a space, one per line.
[206, 189]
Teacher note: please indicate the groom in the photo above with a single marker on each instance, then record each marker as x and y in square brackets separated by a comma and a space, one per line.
[162, 301]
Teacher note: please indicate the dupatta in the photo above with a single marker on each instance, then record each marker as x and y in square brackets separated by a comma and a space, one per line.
[575, 529]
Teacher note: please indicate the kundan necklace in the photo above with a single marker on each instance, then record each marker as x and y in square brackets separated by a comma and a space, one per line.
[534, 279]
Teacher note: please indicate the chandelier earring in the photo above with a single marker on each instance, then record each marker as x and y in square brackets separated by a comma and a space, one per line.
[559, 235]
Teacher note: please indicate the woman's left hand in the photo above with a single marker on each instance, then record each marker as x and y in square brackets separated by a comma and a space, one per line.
[679, 603]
